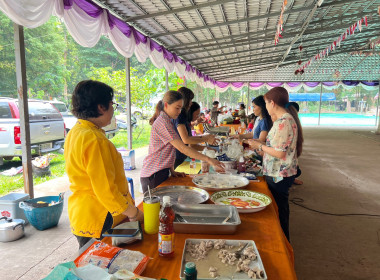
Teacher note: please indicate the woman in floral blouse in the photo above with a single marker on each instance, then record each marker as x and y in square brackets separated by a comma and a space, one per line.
[282, 148]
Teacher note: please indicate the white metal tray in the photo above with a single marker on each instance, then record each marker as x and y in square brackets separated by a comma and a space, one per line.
[225, 271]
[206, 218]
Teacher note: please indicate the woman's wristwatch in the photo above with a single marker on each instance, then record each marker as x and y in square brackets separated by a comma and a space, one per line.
[261, 147]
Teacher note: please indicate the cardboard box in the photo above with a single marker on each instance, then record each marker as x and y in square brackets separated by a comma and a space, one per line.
[128, 159]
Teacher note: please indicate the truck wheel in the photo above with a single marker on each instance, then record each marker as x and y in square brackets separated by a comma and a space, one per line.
[8, 158]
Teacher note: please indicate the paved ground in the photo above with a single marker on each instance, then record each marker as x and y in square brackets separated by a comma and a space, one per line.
[341, 175]
[341, 171]
[35, 255]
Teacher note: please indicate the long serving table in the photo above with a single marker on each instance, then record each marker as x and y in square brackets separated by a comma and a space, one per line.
[234, 126]
[262, 227]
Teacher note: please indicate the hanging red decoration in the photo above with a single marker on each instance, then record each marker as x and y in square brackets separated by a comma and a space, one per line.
[357, 26]
[299, 62]
[301, 48]
[280, 27]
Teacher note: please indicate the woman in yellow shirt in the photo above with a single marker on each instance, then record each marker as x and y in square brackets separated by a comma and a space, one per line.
[95, 168]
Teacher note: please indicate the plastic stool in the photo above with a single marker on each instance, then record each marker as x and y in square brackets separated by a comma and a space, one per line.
[132, 190]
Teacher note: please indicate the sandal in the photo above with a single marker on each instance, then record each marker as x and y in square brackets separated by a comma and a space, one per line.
[297, 182]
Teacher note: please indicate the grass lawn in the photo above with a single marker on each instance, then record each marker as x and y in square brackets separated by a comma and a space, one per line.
[8, 184]
[141, 136]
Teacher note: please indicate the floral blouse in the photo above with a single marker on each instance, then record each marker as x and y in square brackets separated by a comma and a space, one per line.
[282, 137]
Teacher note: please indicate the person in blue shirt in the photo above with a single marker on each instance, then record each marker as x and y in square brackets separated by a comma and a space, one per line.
[263, 122]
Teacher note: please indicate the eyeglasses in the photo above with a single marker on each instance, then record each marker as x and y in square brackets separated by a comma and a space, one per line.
[115, 105]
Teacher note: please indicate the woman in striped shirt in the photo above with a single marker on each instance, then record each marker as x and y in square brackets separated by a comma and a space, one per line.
[164, 141]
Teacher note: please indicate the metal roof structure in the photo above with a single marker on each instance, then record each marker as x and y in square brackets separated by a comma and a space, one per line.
[233, 40]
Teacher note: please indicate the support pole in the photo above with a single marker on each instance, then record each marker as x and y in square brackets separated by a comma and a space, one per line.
[320, 105]
[198, 93]
[208, 98]
[377, 113]
[248, 99]
[166, 80]
[128, 100]
[23, 108]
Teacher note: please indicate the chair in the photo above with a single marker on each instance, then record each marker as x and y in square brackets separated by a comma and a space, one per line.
[131, 188]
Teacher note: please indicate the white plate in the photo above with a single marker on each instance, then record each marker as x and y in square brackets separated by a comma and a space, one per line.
[228, 272]
[245, 201]
[217, 182]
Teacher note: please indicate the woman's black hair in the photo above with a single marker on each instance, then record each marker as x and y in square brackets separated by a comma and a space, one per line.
[215, 103]
[242, 106]
[194, 107]
[170, 97]
[259, 101]
[294, 104]
[188, 96]
[87, 95]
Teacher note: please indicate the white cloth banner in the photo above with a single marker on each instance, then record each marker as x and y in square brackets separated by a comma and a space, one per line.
[87, 30]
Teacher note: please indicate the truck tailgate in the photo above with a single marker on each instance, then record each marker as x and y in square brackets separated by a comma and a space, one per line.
[46, 131]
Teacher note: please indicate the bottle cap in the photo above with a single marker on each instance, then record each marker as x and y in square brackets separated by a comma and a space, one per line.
[166, 199]
[190, 268]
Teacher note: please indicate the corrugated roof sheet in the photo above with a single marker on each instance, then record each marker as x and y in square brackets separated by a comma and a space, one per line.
[234, 40]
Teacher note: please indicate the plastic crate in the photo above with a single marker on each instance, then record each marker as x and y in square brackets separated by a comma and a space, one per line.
[9, 205]
[44, 217]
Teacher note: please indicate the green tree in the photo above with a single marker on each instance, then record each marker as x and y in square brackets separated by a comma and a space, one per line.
[8, 83]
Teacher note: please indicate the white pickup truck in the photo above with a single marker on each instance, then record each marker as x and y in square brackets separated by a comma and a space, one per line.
[47, 129]
[71, 120]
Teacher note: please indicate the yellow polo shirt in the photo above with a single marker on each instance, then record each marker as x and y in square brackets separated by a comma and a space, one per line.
[199, 128]
[97, 179]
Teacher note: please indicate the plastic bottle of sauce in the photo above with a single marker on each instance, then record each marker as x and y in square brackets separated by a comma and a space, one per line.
[190, 271]
[193, 166]
[241, 165]
[166, 229]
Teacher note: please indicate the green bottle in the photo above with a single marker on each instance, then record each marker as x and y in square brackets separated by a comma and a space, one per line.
[190, 271]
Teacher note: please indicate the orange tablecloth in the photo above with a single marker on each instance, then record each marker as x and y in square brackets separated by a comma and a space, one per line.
[262, 227]
[235, 126]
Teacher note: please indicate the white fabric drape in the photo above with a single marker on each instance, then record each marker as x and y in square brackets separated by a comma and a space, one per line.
[87, 30]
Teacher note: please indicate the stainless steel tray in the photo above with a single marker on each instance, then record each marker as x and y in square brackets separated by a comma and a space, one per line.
[226, 272]
[206, 218]
[219, 182]
[181, 194]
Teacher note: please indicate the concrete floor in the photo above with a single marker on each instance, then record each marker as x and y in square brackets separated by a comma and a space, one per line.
[341, 174]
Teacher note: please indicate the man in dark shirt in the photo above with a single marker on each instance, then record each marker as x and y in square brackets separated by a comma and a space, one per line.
[215, 111]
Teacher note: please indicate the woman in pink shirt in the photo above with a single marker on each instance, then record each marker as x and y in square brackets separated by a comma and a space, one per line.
[163, 142]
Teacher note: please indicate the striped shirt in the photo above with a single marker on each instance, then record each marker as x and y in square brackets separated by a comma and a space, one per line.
[161, 153]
